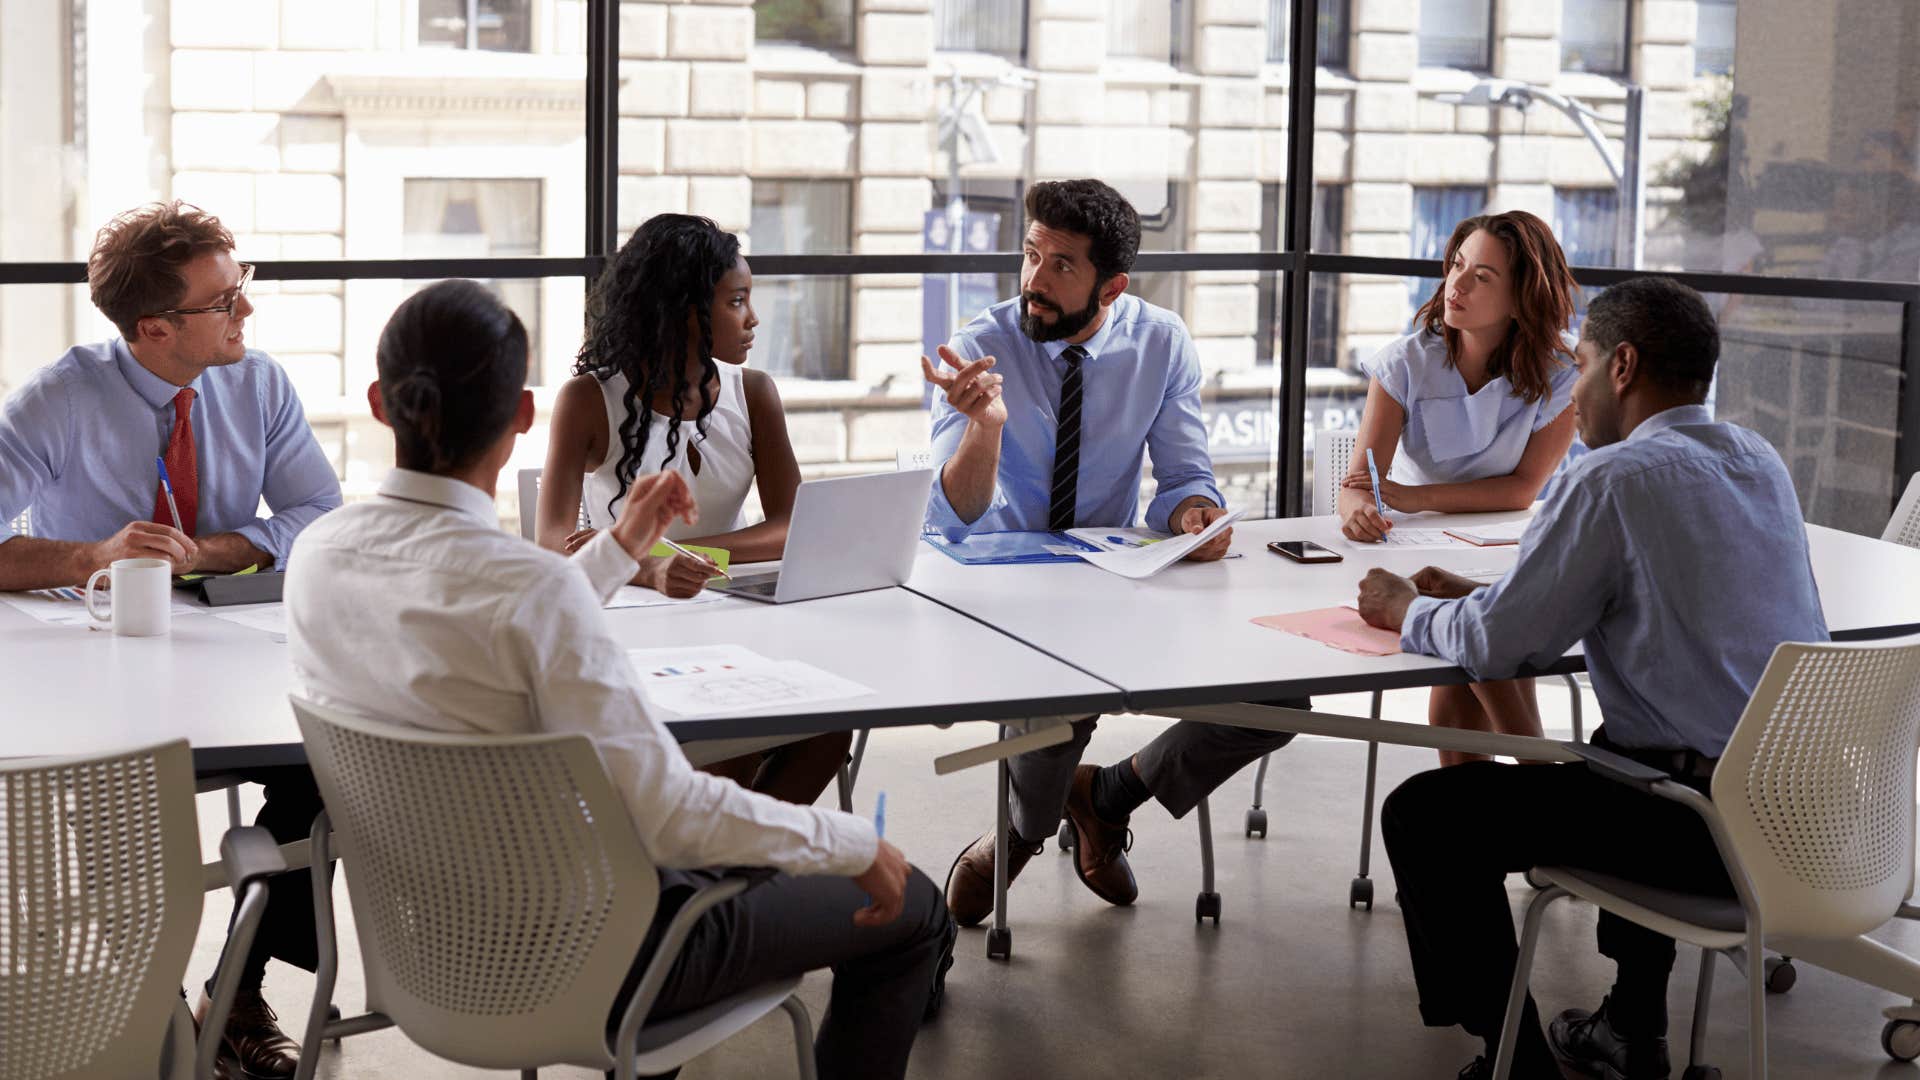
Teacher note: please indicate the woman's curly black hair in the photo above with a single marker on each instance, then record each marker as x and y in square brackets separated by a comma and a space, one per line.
[637, 326]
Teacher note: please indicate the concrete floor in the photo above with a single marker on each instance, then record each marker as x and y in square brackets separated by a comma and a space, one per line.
[1291, 984]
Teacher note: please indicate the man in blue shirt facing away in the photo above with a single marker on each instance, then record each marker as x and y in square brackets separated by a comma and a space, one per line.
[1631, 557]
[1050, 400]
[77, 450]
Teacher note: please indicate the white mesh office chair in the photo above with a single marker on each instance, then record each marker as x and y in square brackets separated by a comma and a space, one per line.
[1332, 457]
[528, 481]
[1813, 814]
[102, 885]
[501, 896]
[1904, 527]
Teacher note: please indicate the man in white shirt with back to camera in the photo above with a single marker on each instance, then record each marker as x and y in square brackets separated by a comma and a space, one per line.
[416, 608]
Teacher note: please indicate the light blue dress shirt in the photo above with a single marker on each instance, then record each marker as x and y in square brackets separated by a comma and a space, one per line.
[1452, 436]
[1677, 556]
[77, 444]
[1140, 393]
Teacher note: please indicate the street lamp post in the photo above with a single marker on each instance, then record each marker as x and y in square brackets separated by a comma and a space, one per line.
[1626, 168]
[962, 122]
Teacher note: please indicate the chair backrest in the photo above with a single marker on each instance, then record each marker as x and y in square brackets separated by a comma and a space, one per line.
[1332, 454]
[1817, 785]
[499, 889]
[904, 460]
[100, 894]
[529, 484]
[1904, 526]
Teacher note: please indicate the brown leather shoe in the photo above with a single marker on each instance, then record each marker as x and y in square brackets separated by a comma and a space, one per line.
[254, 1043]
[970, 880]
[1099, 847]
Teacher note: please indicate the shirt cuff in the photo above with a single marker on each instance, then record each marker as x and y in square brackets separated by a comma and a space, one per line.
[853, 844]
[1160, 510]
[257, 533]
[606, 564]
[942, 516]
[1416, 628]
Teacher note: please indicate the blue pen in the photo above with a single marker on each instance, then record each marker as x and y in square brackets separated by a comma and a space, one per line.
[167, 485]
[1373, 474]
[880, 815]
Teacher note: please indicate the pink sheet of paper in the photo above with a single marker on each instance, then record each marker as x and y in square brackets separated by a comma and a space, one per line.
[1340, 627]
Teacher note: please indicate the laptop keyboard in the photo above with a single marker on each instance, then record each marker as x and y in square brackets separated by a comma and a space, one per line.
[759, 586]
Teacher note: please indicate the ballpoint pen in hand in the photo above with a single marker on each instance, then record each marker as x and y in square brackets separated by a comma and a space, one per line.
[167, 486]
[694, 555]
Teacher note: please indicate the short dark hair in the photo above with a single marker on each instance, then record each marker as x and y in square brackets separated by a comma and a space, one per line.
[134, 269]
[452, 360]
[1667, 323]
[1095, 211]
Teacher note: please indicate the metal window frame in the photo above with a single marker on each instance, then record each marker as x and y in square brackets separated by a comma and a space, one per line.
[1296, 263]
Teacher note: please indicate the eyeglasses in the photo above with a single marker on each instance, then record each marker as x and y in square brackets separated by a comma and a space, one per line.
[225, 308]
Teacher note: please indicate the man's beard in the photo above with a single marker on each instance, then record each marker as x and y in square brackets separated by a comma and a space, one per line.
[1064, 326]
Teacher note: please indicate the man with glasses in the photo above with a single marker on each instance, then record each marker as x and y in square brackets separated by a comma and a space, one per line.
[78, 444]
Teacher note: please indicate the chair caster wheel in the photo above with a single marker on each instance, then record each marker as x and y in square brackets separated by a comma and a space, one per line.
[1534, 879]
[1360, 893]
[999, 944]
[1207, 906]
[333, 1017]
[1901, 1039]
[1257, 823]
[1701, 1072]
[1065, 839]
[1780, 974]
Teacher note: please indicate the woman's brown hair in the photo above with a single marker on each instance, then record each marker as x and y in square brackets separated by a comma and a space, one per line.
[1543, 290]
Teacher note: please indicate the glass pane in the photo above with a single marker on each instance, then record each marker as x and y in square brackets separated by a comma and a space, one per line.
[1141, 29]
[1330, 32]
[1436, 211]
[1593, 36]
[1713, 38]
[989, 26]
[824, 24]
[1585, 220]
[299, 125]
[803, 321]
[1455, 33]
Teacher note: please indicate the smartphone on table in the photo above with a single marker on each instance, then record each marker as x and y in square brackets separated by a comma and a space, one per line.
[1304, 551]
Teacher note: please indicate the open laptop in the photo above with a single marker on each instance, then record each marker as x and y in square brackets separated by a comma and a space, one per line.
[847, 535]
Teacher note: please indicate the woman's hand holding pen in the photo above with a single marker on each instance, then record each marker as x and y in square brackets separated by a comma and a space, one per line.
[653, 503]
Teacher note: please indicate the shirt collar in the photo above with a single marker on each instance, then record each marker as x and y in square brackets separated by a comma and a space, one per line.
[153, 389]
[1094, 344]
[443, 491]
[1671, 418]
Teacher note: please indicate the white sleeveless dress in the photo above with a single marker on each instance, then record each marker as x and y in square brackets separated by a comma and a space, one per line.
[726, 458]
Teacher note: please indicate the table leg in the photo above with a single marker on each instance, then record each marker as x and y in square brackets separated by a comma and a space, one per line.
[999, 938]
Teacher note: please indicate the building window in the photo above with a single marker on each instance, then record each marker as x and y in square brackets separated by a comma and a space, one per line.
[803, 320]
[823, 24]
[1436, 210]
[1323, 303]
[1456, 34]
[1330, 32]
[479, 219]
[491, 25]
[1141, 28]
[1584, 219]
[1713, 38]
[992, 222]
[988, 26]
[1593, 36]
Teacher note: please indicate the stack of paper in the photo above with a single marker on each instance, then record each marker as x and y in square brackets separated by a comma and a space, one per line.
[724, 680]
[632, 596]
[1148, 560]
[1340, 627]
[1508, 532]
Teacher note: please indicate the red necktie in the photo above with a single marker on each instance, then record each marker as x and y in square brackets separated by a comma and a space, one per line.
[182, 468]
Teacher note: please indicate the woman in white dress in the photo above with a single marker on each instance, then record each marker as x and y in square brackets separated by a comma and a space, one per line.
[1469, 413]
[661, 383]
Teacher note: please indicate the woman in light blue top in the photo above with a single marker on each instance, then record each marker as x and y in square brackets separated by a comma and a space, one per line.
[1469, 414]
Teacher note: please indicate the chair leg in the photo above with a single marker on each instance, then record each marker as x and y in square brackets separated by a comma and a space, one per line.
[1260, 781]
[1207, 904]
[1360, 889]
[1756, 1007]
[1573, 688]
[319, 844]
[802, 1035]
[1517, 993]
[233, 807]
[1702, 1001]
[844, 782]
[859, 755]
[999, 938]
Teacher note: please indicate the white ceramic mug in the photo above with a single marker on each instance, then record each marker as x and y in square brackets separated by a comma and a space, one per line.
[141, 603]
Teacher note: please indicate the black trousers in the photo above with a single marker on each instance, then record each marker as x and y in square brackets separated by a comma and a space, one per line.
[286, 928]
[786, 925]
[1453, 836]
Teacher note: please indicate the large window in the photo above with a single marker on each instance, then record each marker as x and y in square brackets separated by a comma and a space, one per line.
[803, 321]
[1436, 210]
[1585, 220]
[1713, 37]
[1323, 312]
[824, 24]
[1330, 32]
[1593, 36]
[988, 26]
[494, 25]
[478, 219]
[1456, 34]
[1141, 29]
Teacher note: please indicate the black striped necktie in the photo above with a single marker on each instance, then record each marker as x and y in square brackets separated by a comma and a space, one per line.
[1066, 445]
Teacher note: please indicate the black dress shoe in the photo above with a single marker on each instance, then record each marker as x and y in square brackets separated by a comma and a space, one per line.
[939, 994]
[1587, 1041]
[253, 1041]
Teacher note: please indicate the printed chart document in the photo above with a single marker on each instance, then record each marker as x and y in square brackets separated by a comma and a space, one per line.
[67, 606]
[1148, 560]
[723, 680]
[1407, 539]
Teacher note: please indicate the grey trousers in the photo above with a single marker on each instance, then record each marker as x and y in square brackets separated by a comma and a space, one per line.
[1181, 767]
[787, 925]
